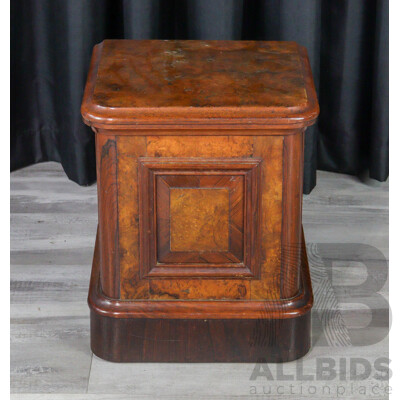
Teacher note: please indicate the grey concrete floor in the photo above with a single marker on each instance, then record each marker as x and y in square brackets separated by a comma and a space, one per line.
[53, 227]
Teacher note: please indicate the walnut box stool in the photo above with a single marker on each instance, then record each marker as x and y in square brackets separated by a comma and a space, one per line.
[199, 254]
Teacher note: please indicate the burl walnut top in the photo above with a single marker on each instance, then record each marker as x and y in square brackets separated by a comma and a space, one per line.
[135, 82]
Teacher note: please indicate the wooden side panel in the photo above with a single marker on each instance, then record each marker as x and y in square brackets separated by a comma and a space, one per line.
[129, 149]
[270, 149]
[292, 204]
[106, 156]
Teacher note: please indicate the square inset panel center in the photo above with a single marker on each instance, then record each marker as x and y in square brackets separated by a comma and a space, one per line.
[199, 219]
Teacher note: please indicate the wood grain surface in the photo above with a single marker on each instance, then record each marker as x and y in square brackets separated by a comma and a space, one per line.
[270, 149]
[131, 286]
[238, 177]
[267, 228]
[154, 74]
[106, 159]
[201, 309]
[292, 181]
[136, 82]
[199, 219]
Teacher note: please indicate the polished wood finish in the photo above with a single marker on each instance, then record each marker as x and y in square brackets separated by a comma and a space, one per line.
[188, 340]
[291, 213]
[106, 158]
[270, 149]
[199, 150]
[216, 83]
[237, 153]
[128, 217]
[235, 181]
[276, 182]
[211, 146]
[199, 219]
[200, 309]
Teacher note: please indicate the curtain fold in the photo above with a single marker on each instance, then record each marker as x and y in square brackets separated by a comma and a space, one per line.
[347, 42]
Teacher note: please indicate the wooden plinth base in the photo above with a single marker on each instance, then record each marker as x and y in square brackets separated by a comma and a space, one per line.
[193, 340]
[150, 331]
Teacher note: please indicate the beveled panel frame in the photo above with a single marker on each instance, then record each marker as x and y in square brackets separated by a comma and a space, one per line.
[157, 175]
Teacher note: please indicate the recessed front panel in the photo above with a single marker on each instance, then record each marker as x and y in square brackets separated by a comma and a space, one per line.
[199, 218]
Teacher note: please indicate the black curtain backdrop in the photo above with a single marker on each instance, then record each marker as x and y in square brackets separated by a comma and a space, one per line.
[347, 42]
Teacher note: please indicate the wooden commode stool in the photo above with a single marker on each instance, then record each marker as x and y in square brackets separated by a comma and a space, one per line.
[199, 254]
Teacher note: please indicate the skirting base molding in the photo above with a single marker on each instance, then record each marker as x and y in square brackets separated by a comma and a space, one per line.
[200, 331]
